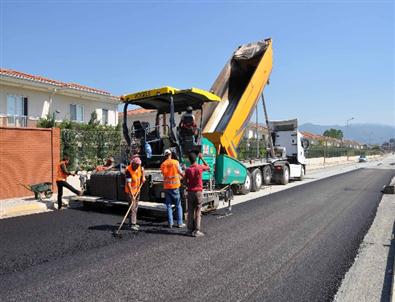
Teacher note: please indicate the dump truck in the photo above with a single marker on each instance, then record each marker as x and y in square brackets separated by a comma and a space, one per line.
[221, 116]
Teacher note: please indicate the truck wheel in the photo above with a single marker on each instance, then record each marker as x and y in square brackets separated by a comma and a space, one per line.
[301, 174]
[267, 175]
[48, 194]
[256, 180]
[284, 176]
[246, 188]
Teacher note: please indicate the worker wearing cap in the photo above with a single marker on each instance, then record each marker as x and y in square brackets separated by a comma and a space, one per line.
[171, 183]
[108, 166]
[188, 119]
[134, 177]
[61, 179]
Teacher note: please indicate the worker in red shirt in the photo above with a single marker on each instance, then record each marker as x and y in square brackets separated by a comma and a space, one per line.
[194, 182]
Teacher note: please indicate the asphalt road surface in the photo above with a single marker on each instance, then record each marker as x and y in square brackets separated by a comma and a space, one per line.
[294, 245]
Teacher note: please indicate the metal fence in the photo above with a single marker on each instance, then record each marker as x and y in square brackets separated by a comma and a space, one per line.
[331, 151]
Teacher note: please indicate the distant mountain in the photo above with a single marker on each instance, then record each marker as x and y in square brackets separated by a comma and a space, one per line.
[363, 133]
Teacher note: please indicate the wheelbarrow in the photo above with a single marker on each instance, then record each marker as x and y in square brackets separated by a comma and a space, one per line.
[38, 189]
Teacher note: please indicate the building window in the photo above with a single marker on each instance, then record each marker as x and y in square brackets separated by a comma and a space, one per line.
[77, 113]
[104, 117]
[17, 110]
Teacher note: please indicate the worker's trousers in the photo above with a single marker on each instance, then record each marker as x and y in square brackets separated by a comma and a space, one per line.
[172, 196]
[133, 210]
[195, 200]
[60, 184]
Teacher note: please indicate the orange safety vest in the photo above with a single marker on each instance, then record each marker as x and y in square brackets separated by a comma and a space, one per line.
[171, 177]
[136, 179]
[60, 175]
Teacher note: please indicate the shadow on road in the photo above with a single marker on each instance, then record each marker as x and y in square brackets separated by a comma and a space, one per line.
[386, 292]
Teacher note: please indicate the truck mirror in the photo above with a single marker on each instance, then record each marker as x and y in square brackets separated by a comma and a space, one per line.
[305, 143]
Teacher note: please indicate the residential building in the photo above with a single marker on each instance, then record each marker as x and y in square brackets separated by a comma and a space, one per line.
[256, 131]
[24, 98]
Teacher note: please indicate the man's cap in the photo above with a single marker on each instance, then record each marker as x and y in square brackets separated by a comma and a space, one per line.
[167, 152]
[136, 160]
[189, 109]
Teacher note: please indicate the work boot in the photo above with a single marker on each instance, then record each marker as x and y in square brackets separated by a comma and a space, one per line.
[197, 234]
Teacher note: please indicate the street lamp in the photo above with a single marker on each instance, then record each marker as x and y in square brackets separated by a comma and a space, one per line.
[350, 119]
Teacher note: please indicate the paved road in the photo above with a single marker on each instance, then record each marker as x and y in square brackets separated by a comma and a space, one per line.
[295, 245]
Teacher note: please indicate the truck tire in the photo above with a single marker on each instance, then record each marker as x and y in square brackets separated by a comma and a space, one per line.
[256, 177]
[246, 187]
[284, 179]
[302, 172]
[267, 175]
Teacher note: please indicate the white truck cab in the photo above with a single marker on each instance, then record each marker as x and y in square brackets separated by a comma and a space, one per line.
[291, 143]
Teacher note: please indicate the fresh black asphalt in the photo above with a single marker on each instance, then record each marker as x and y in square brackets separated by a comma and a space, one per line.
[294, 245]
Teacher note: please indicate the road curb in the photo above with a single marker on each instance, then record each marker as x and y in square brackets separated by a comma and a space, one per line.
[23, 209]
[392, 294]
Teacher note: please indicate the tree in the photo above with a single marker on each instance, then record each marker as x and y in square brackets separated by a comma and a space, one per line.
[93, 120]
[335, 133]
[47, 122]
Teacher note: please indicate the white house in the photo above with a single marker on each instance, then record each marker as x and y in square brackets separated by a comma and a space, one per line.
[24, 98]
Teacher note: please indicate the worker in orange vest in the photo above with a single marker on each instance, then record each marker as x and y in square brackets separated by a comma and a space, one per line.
[61, 179]
[134, 177]
[172, 175]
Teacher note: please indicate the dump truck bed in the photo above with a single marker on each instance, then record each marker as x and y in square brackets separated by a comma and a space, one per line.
[239, 85]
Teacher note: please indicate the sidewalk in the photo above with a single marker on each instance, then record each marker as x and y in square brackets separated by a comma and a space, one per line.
[370, 277]
[27, 205]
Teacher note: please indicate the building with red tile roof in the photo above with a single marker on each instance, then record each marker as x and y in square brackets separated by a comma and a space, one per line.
[24, 98]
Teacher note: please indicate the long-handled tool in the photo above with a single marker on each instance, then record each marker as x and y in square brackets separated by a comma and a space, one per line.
[116, 233]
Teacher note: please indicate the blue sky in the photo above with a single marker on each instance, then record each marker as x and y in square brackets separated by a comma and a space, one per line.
[332, 61]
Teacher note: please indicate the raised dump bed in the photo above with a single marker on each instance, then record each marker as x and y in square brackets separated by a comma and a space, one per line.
[239, 85]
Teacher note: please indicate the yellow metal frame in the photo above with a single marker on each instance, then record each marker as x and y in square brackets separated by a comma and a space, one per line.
[231, 136]
[169, 90]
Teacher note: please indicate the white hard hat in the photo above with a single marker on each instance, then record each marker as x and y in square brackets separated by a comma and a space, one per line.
[167, 152]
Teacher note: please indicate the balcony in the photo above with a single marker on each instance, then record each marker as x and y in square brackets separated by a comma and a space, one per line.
[7, 120]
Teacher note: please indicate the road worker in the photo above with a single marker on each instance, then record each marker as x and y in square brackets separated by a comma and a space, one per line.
[134, 177]
[194, 182]
[172, 175]
[109, 165]
[188, 130]
[61, 179]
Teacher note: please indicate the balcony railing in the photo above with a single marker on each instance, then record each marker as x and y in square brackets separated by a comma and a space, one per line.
[8, 120]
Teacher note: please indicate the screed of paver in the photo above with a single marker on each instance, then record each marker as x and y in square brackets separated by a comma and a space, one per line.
[365, 279]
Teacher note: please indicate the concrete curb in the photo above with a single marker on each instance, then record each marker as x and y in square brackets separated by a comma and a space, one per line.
[23, 209]
[392, 295]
